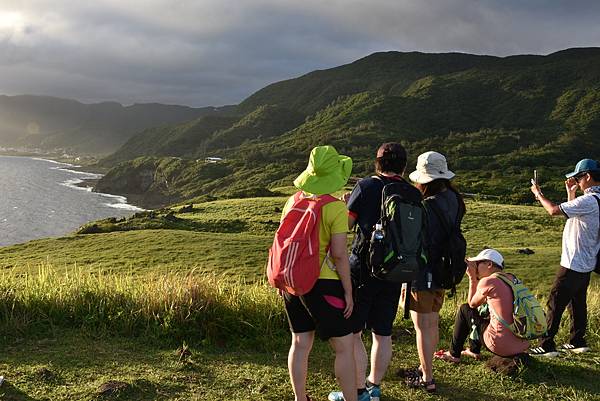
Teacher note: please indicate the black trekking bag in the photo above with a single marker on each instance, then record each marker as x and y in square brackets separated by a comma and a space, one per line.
[396, 251]
[453, 264]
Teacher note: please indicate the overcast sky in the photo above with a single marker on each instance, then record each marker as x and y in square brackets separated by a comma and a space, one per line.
[215, 52]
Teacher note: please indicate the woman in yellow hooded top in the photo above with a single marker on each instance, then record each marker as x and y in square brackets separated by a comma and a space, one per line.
[327, 308]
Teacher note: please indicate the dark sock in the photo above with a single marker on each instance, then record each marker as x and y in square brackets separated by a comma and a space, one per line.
[369, 384]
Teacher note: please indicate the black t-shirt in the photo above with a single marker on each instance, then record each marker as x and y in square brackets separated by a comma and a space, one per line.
[364, 204]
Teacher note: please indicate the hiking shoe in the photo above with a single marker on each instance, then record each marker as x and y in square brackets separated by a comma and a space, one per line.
[339, 396]
[374, 392]
[574, 349]
[539, 351]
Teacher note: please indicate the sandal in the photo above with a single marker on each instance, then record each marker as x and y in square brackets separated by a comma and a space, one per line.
[418, 382]
[471, 354]
[446, 356]
[410, 372]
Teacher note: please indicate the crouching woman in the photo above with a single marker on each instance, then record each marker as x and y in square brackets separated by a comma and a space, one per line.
[473, 322]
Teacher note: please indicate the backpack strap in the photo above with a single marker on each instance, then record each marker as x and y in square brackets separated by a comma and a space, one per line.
[504, 278]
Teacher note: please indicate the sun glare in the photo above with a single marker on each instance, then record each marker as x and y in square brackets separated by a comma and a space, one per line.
[11, 20]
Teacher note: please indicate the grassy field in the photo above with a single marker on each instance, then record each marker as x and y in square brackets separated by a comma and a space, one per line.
[78, 311]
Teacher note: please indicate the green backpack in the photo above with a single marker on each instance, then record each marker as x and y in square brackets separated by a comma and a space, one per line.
[529, 319]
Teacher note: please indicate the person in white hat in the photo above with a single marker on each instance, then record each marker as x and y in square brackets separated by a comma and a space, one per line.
[484, 288]
[432, 177]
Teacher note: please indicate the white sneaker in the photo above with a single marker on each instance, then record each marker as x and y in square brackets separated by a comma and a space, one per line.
[1, 380]
[574, 349]
[539, 351]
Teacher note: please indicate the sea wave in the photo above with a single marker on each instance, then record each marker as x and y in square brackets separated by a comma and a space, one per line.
[89, 176]
[54, 162]
[121, 202]
[125, 206]
[73, 183]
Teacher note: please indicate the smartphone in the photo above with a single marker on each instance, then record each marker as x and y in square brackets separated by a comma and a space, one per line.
[535, 177]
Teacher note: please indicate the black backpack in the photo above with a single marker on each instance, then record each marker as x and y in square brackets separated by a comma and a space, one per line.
[454, 251]
[396, 252]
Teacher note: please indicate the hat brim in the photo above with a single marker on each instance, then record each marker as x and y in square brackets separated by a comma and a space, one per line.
[425, 178]
[314, 184]
[480, 258]
[575, 173]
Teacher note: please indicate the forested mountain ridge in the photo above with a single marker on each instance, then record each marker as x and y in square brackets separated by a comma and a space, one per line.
[495, 118]
[48, 123]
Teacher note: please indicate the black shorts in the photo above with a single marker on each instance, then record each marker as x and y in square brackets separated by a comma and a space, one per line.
[321, 309]
[376, 304]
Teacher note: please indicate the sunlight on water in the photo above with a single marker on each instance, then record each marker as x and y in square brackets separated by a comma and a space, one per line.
[40, 198]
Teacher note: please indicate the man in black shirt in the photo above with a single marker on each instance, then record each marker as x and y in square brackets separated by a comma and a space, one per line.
[376, 301]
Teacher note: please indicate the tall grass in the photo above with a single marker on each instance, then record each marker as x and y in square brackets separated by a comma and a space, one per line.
[202, 309]
[174, 306]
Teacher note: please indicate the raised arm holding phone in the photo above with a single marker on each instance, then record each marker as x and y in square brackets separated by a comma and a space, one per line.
[580, 245]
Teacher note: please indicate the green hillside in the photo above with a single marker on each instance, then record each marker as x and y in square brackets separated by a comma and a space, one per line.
[208, 135]
[495, 118]
[173, 305]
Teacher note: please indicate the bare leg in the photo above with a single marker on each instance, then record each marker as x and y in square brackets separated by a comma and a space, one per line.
[381, 355]
[427, 335]
[298, 362]
[345, 366]
[361, 359]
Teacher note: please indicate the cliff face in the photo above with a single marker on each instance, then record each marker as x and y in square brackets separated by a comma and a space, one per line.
[142, 184]
[153, 182]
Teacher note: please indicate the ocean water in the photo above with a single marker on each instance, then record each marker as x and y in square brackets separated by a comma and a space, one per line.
[39, 198]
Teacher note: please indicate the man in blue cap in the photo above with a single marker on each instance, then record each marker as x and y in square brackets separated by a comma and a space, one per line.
[580, 246]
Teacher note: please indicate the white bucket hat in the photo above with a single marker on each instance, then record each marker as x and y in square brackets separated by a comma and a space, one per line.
[430, 166]
[489, 254]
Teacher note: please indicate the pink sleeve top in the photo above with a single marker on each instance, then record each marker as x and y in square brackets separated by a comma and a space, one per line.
[497, 338]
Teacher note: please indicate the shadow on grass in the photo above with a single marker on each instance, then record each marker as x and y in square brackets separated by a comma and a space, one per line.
[580, 372]
[8, 392]
[448, 392]
[141, 390]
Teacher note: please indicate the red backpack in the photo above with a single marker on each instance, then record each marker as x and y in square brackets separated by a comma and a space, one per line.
[293, 264]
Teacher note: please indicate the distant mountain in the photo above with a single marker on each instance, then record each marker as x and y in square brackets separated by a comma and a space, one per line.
[48, 123]
[209, 134]
[496, 119]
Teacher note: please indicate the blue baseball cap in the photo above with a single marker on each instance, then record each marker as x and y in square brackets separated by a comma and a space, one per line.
[584, 166]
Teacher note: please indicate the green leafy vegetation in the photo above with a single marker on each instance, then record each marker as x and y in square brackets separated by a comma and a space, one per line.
[495, 118]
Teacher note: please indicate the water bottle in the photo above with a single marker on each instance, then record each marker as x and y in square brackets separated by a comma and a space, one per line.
[376, 250]
[377, 233]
